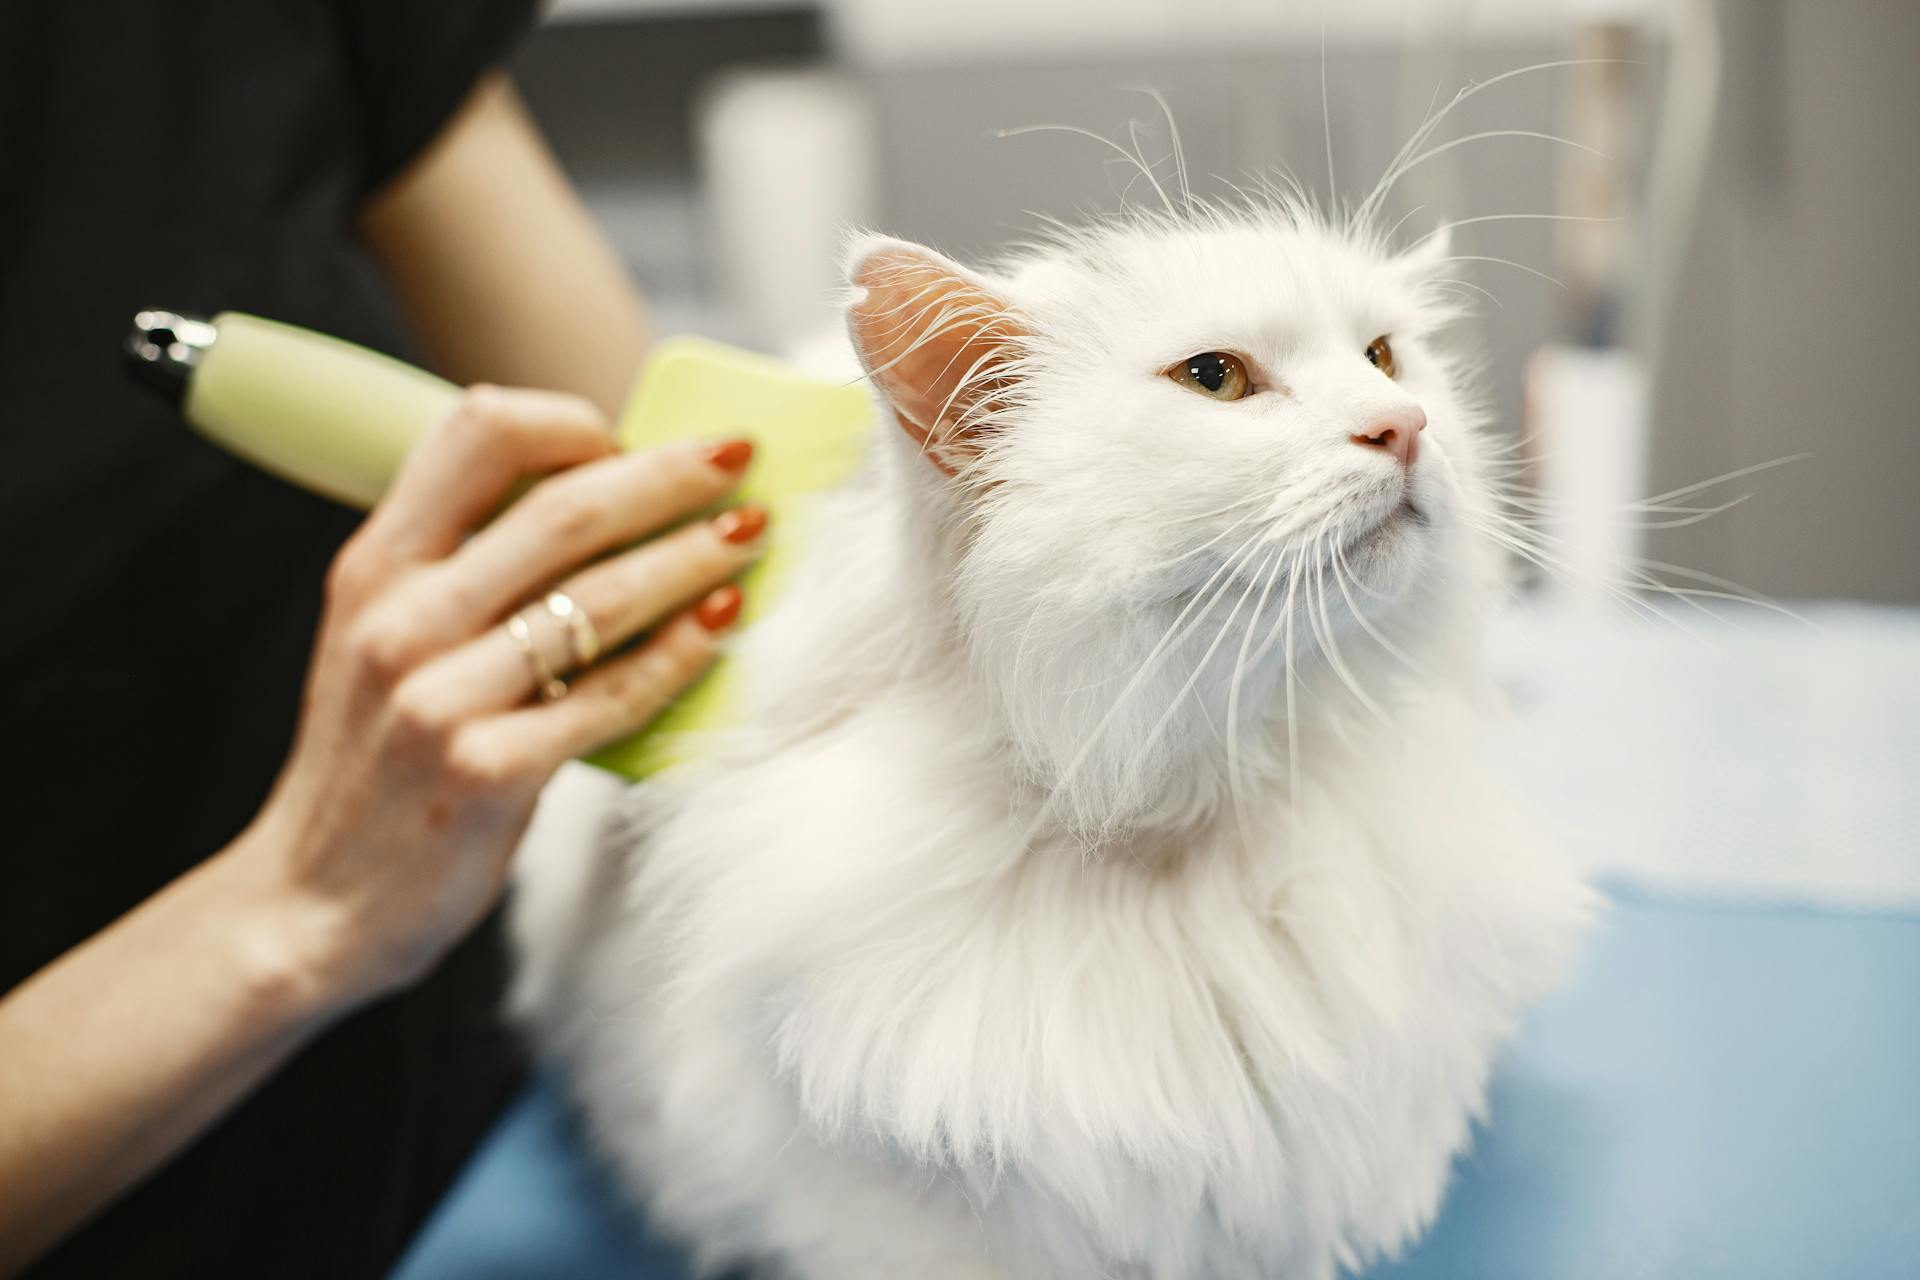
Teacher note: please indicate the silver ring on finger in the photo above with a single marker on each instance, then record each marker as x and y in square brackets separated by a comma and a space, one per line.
[546, 681]
[582, 638]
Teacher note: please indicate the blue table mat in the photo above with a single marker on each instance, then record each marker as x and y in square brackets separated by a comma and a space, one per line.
[1719, 1091]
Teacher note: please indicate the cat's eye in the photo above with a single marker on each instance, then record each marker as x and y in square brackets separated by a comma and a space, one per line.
[1380, 356]
[1218, 375]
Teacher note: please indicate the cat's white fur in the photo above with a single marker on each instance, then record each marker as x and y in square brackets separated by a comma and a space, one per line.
[1004, 940]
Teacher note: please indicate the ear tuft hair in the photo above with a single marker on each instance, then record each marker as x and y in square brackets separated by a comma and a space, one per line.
[1426, 258]
[938, 340]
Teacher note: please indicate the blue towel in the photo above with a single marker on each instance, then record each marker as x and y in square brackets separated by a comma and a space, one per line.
[1720, 1092]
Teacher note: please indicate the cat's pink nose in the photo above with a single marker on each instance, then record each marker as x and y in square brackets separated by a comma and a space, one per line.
[1397, 432]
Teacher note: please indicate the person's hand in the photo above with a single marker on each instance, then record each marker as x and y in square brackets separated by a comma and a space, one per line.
[424, 740]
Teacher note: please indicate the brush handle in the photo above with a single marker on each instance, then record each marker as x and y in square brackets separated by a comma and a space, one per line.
[322, 413]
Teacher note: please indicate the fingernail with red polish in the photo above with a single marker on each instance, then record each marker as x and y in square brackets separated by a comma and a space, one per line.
[718, 610]
[741, 524]
[732, 455]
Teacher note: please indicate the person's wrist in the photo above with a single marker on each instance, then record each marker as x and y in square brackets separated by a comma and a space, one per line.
[285, 948]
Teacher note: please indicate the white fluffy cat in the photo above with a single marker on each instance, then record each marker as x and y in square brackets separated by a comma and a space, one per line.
[1104, 883]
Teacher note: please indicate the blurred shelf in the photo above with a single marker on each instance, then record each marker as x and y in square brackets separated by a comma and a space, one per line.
[883, 33]
[564, 12]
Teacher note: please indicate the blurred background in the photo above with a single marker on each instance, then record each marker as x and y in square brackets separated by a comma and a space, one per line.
[1754, 298]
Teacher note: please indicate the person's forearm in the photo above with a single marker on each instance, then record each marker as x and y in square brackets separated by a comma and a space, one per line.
[502, 273]
[117, 1054]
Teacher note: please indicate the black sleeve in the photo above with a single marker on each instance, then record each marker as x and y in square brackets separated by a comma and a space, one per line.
[413, 63]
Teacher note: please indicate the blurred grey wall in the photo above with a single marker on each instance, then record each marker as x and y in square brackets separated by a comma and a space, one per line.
[1796, 325]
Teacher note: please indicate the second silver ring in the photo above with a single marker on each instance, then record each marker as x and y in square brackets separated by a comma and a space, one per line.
[582, 638]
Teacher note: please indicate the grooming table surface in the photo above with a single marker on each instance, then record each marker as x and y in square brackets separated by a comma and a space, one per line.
[1728, 1085]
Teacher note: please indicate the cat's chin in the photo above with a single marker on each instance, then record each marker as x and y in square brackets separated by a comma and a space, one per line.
[1385, 558]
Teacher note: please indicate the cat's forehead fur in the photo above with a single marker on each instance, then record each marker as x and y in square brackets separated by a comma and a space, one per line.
[1270, 279]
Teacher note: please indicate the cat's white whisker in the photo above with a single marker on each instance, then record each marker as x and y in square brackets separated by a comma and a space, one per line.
[1139, 162]
[1171, 637]
[1730, 590]
[1485, 135]
[1260, 502]
[1532, 534]
[1508, 262]
[1401, 221]
[1468, 284]
[1233, 691]
[1397, 167]
[1326, 116]
[1146, 166]
[1528, 498]
[1445, 227]
[1527, 545]
[1545, 514]
[1686, 490]
[1341, 575]
[1294, 789]
[1173, 138]
[1331, 646]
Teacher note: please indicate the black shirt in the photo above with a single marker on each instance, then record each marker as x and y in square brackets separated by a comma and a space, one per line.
[162, 597]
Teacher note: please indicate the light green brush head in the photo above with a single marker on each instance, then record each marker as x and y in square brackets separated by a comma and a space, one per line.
[809, 436]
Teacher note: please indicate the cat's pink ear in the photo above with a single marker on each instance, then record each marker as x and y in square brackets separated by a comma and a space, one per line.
[937, 340]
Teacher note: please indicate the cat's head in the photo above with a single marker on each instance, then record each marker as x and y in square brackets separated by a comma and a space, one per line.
[1166, 457]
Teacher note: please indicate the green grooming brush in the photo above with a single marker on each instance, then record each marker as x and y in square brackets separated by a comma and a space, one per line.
[337, 419]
